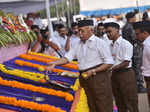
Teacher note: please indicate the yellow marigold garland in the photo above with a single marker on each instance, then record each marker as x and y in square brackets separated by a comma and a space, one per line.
[24, 74]
[29, 105]
[82, 105]
[29, 64]
[15, 84]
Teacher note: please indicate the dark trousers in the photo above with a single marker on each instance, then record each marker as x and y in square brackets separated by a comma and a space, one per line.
[99, 92]
[147, 80]
[124, 90]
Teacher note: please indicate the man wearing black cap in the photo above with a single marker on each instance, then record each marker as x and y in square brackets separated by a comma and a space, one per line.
[142, 30]
[128, 33]
[94, 60]
[123, 77]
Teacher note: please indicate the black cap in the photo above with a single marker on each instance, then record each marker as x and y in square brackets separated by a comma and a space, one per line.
[130, 15]
[112, 24]
[83, 23]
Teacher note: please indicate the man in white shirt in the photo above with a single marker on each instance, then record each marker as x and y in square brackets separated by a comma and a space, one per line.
[142, 30]
[61, 39]
[123, 76]
[94, 60]
[73, 39]
[37, 21]
[101, 33]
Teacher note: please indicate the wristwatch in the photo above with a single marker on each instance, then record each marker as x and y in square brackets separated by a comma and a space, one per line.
[93, 72]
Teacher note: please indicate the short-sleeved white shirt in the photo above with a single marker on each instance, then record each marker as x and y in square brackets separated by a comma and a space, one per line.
[93, 52]
[122, 50]
[61, 42]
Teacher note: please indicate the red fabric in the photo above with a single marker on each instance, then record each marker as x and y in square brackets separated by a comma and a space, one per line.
[29, 22]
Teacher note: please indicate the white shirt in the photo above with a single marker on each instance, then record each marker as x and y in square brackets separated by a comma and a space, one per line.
[56, 33]
[38, 21]
[74, 40]
[122, 50]
[91, 53]
[61, 42]
[146, 57]
[106, 39]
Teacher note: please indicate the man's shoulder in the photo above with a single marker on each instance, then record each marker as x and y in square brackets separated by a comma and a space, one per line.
[126, 42]
[97, 38]
[99, 42]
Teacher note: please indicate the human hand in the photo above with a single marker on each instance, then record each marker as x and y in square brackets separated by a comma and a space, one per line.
[115, 68]
[87, 74]
[56, 47]
[49, 68]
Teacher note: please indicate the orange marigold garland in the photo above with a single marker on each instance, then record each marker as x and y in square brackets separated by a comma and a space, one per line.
[29, 105]
[47, 60]
[29, 64]
[15, 84]
[48, 56]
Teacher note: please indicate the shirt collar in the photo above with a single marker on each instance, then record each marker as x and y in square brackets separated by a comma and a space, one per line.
[63, 37]
[118, 41]
[146, 40]
[74, 36]
[90, 39]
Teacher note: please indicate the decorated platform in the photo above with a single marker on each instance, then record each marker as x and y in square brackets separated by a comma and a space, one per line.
[24, 84]
[26, 87]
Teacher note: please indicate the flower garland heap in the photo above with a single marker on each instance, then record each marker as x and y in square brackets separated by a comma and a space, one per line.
[42, 68]
[44, 60]
[14, 30]
[15, 84]
[29, 105]
[24, 74]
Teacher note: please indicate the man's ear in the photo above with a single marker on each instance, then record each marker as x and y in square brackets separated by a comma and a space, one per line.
[92, 29]
[145, 33]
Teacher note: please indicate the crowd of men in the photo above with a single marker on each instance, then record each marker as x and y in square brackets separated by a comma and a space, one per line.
[114, 60]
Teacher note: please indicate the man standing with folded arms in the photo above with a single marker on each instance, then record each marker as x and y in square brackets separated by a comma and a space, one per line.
[123, 77]
[94, 60]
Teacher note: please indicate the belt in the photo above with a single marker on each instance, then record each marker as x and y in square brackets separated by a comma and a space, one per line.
[81, 71]
[123, 69]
